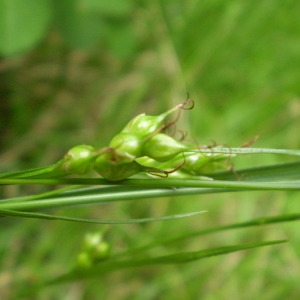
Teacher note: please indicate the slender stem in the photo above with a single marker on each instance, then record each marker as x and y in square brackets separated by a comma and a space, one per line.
[118, 195]
[268, 185]
[228, 150]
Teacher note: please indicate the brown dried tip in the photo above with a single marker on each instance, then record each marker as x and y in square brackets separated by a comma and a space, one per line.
[183, 134]
[251, 142]
[187, 104]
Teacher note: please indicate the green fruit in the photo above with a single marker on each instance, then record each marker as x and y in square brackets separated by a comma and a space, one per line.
[116, 167]
[79, 159]
[128, 143]
[102, 251]
[84, 261]
[162, 147]
[199, 163]
[144, 125]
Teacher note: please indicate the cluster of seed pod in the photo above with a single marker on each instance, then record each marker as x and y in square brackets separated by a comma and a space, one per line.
[142, 146]
[94, 249]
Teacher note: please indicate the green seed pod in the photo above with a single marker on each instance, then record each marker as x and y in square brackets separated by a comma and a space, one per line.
[162, 147]
[102, 251]
[79, 159]
[144, 125]
[92, 240]
[188, 165]
[162, 169]
[127, 143]
[199, 163]
[115, 167]
[194, 162]
[84, 260]
[95, 247]
[175, 163]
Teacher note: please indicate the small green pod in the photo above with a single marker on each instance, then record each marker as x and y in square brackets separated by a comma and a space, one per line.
[116, 168]
[84, 261]
[79, 159]
[200, 163]
[92, 240]
[162, 147]
[127, 143]
[144, 125]
[101, 252]
[95, 246]
[189, 164]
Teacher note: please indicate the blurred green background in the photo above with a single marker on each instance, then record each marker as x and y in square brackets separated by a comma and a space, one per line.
[75, 71]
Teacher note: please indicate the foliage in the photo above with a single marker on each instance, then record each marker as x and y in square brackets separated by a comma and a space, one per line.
[82, 24]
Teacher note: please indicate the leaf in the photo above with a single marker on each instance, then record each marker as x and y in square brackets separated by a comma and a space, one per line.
[112, 265]
[50, 171]
[292, 230]
[12, 213]
[177, 258]
[255, 222]
[132, 189]
[279, 172]
[22, 24]
[262, 178]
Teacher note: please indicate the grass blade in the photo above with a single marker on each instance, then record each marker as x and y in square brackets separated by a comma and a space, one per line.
[12, 213]
[256, 222]
[43, 172]
[177, 258]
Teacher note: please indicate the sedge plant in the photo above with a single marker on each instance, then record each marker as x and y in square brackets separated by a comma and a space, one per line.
[145, 160]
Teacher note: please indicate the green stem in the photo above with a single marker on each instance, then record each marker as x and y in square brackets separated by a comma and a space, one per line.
[228, 150]
[173, 183]
[149, 188]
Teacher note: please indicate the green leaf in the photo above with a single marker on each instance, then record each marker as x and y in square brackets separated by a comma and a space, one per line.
[252, 223]
[22, 24]
[12, 213]
[132, 189]
[292, 230]
[50, 171]
[177, 258]
[111, 265]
